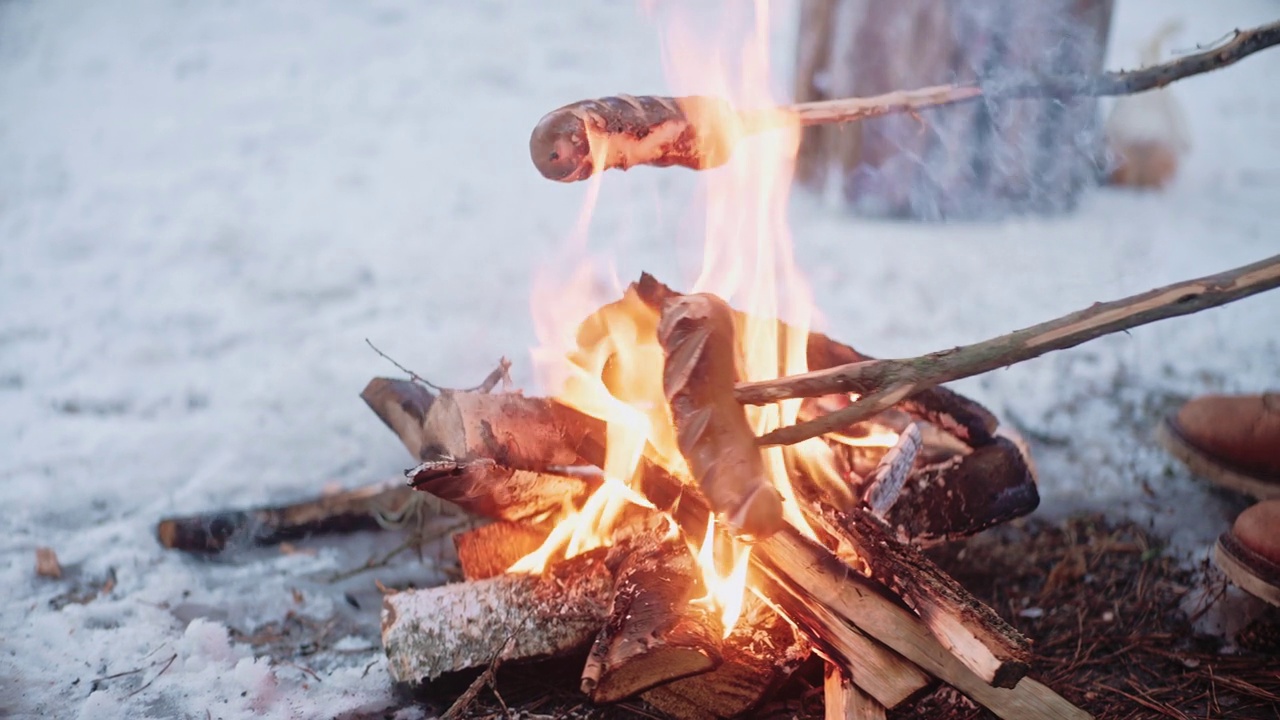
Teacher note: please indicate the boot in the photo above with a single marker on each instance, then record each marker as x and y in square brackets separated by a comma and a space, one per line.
[1250, 553]
[1233, 441]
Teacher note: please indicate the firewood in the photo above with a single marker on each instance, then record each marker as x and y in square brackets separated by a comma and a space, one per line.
[843, 700]
[427, 633]
[578, 140]
[889, 382]
[963, 496]
[948, 410]
[401, 405]
[984, 642]
[655, 633]
[886, 481]
[813, 577]
[340, 512]
[759, 655]
[712, 432]
[827, 599]
[488, 550]
[490, 489]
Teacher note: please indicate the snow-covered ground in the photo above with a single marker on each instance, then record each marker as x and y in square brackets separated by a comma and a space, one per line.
[206, 207]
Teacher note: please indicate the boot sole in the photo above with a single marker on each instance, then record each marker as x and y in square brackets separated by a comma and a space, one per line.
[1250, 571]
[1212, 469]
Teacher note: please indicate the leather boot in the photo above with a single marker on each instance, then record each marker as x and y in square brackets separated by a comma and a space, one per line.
[1250, 553]
[1233, 441]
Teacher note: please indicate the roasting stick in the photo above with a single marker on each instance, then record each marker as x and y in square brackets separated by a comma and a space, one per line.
[884, 383]
[575, 141]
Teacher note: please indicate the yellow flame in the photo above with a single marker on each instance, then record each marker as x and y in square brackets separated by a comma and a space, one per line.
[610, 366]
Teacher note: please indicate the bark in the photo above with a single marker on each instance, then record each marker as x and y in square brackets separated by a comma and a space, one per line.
[490, 489]
[340, 512]
[835, 605]
[655, 632]
[983, 641]
[427, 633]
[908, 157]
[487, 551]
[886, 383]
[712, 432]
[886, 481]
[759, 655]
[401, 405]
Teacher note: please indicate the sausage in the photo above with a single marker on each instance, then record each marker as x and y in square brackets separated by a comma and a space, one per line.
[624, 131]
[697, 335]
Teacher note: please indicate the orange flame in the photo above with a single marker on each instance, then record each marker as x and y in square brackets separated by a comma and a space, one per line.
[610, 366]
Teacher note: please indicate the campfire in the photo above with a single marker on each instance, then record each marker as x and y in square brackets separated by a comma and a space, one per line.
[638, 515]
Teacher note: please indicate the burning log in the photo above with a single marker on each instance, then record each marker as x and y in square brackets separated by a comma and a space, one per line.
[655, 633]
[340, 512]
[487, 551]
[489, 489]
[984, 642]
[700, 132]
[427, 633]
[843, 700]
[759, 655]
[886, 481]
[944, 408]
[711, 428]
[885, 383]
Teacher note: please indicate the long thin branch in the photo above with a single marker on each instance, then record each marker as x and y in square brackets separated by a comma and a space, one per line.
[1123, 82]
[884, 383]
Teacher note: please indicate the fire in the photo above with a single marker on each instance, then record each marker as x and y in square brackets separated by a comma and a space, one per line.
[610, 366]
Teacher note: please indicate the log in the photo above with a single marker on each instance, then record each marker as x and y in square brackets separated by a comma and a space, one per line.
[961, 497]
[402, 405]
[813, 578]
[886, 383]
[655, 632]
[427, 633]
[712, 432]
[487, 551]
[984, 642]
[341, 512]
[759, 656]
[844, 700]
[950, 411]
[826, 598]
[490, 489]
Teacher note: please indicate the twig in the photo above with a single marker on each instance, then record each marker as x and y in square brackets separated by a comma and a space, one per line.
[157, 675]
[884, 383]
[502, 374]
[487, 677]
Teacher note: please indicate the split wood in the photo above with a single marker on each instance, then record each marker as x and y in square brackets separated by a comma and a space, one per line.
[885, 383]
[848, 616]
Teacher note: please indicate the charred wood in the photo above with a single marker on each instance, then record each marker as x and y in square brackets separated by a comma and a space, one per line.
[655, 632]
[759, 655]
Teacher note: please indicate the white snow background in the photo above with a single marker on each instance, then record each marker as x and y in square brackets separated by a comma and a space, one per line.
[206, 207]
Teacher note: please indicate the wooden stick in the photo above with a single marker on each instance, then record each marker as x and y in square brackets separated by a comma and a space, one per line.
[843, 700]
[655, 633]
[885, 383]
[950, 411]
[490, 489]
[578, 140]
[984, 642]
[427, 633]
[340, 512]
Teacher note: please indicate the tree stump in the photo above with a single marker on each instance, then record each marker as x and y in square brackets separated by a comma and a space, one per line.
[978, 160]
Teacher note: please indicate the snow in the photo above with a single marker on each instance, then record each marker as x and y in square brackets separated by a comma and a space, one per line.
[206, 207]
